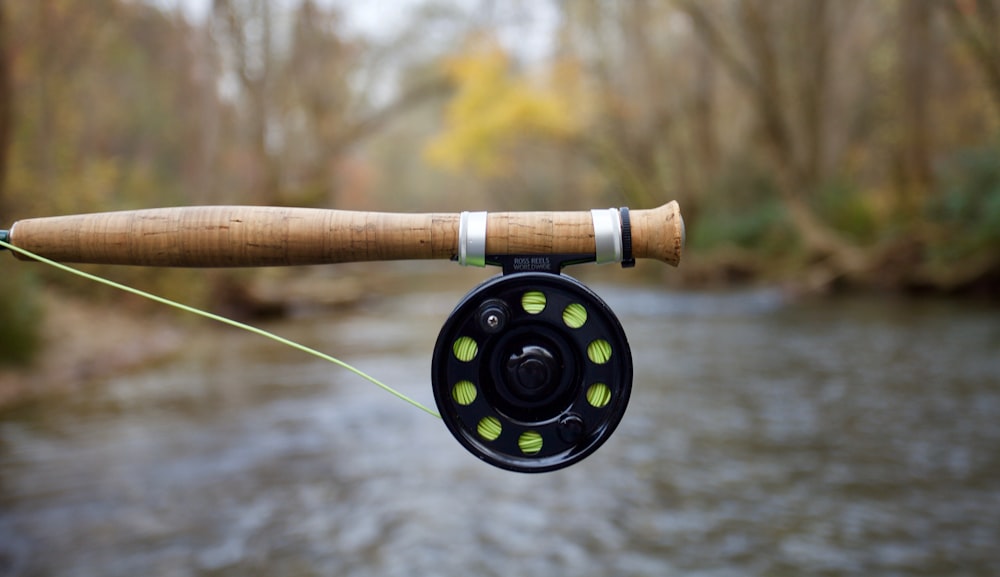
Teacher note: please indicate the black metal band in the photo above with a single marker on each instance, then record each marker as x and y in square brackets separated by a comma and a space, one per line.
[628, 261]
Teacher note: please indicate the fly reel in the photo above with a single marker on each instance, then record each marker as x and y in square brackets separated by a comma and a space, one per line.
[532, 371]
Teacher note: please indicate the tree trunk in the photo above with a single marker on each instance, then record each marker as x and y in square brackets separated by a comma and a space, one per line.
[791, 140]
[915, 70]
[6, 109]
[977, 24]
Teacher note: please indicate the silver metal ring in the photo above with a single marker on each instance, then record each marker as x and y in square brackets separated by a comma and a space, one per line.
[472, 238]
[607, 235]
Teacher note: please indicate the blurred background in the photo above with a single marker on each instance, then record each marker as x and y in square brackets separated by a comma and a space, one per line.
[817, 385]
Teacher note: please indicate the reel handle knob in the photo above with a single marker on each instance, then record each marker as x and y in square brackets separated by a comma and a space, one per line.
[250, 236]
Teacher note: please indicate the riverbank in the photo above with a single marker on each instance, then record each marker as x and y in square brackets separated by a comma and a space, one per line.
[900, 270]
[85, 339]
[82, 342]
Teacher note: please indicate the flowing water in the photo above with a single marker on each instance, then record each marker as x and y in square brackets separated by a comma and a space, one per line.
[764, 437]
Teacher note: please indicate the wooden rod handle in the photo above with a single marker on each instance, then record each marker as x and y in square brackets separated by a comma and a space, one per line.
[244, 236]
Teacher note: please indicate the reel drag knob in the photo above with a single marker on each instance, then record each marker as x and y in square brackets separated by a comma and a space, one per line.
[532, 371]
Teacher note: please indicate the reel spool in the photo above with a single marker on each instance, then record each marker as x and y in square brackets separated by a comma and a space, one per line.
[532, 371]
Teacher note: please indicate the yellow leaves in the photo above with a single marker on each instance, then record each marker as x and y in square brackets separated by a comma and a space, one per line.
[495, 108]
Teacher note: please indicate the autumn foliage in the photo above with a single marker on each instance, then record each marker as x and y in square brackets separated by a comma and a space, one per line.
[494, 108]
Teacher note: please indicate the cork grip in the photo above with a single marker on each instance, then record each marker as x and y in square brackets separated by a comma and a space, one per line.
[245, 236]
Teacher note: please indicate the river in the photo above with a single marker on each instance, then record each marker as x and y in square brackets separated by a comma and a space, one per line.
[842, 436]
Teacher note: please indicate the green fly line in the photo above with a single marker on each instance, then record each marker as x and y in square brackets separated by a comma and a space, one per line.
[223, 320]
[574, 315]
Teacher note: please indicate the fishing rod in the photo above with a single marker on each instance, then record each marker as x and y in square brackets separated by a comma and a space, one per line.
[531, 371]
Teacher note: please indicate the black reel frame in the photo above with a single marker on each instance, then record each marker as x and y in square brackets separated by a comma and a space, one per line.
[532, 371]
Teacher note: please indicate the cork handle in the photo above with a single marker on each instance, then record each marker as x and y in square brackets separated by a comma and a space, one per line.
[243, 236]
[659, 233]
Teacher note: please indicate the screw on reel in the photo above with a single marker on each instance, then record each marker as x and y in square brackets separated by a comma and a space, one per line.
[532, 371]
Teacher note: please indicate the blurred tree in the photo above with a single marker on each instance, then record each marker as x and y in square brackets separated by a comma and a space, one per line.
[6, 107]
[106, 118]
[977, 23]
[316, 103]
[20, 312]
[493, 109]
[788, 85]
[915, 67]
[243, 30]
[325, 114]
[117, 108]
[653, 133]
[301, 110]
